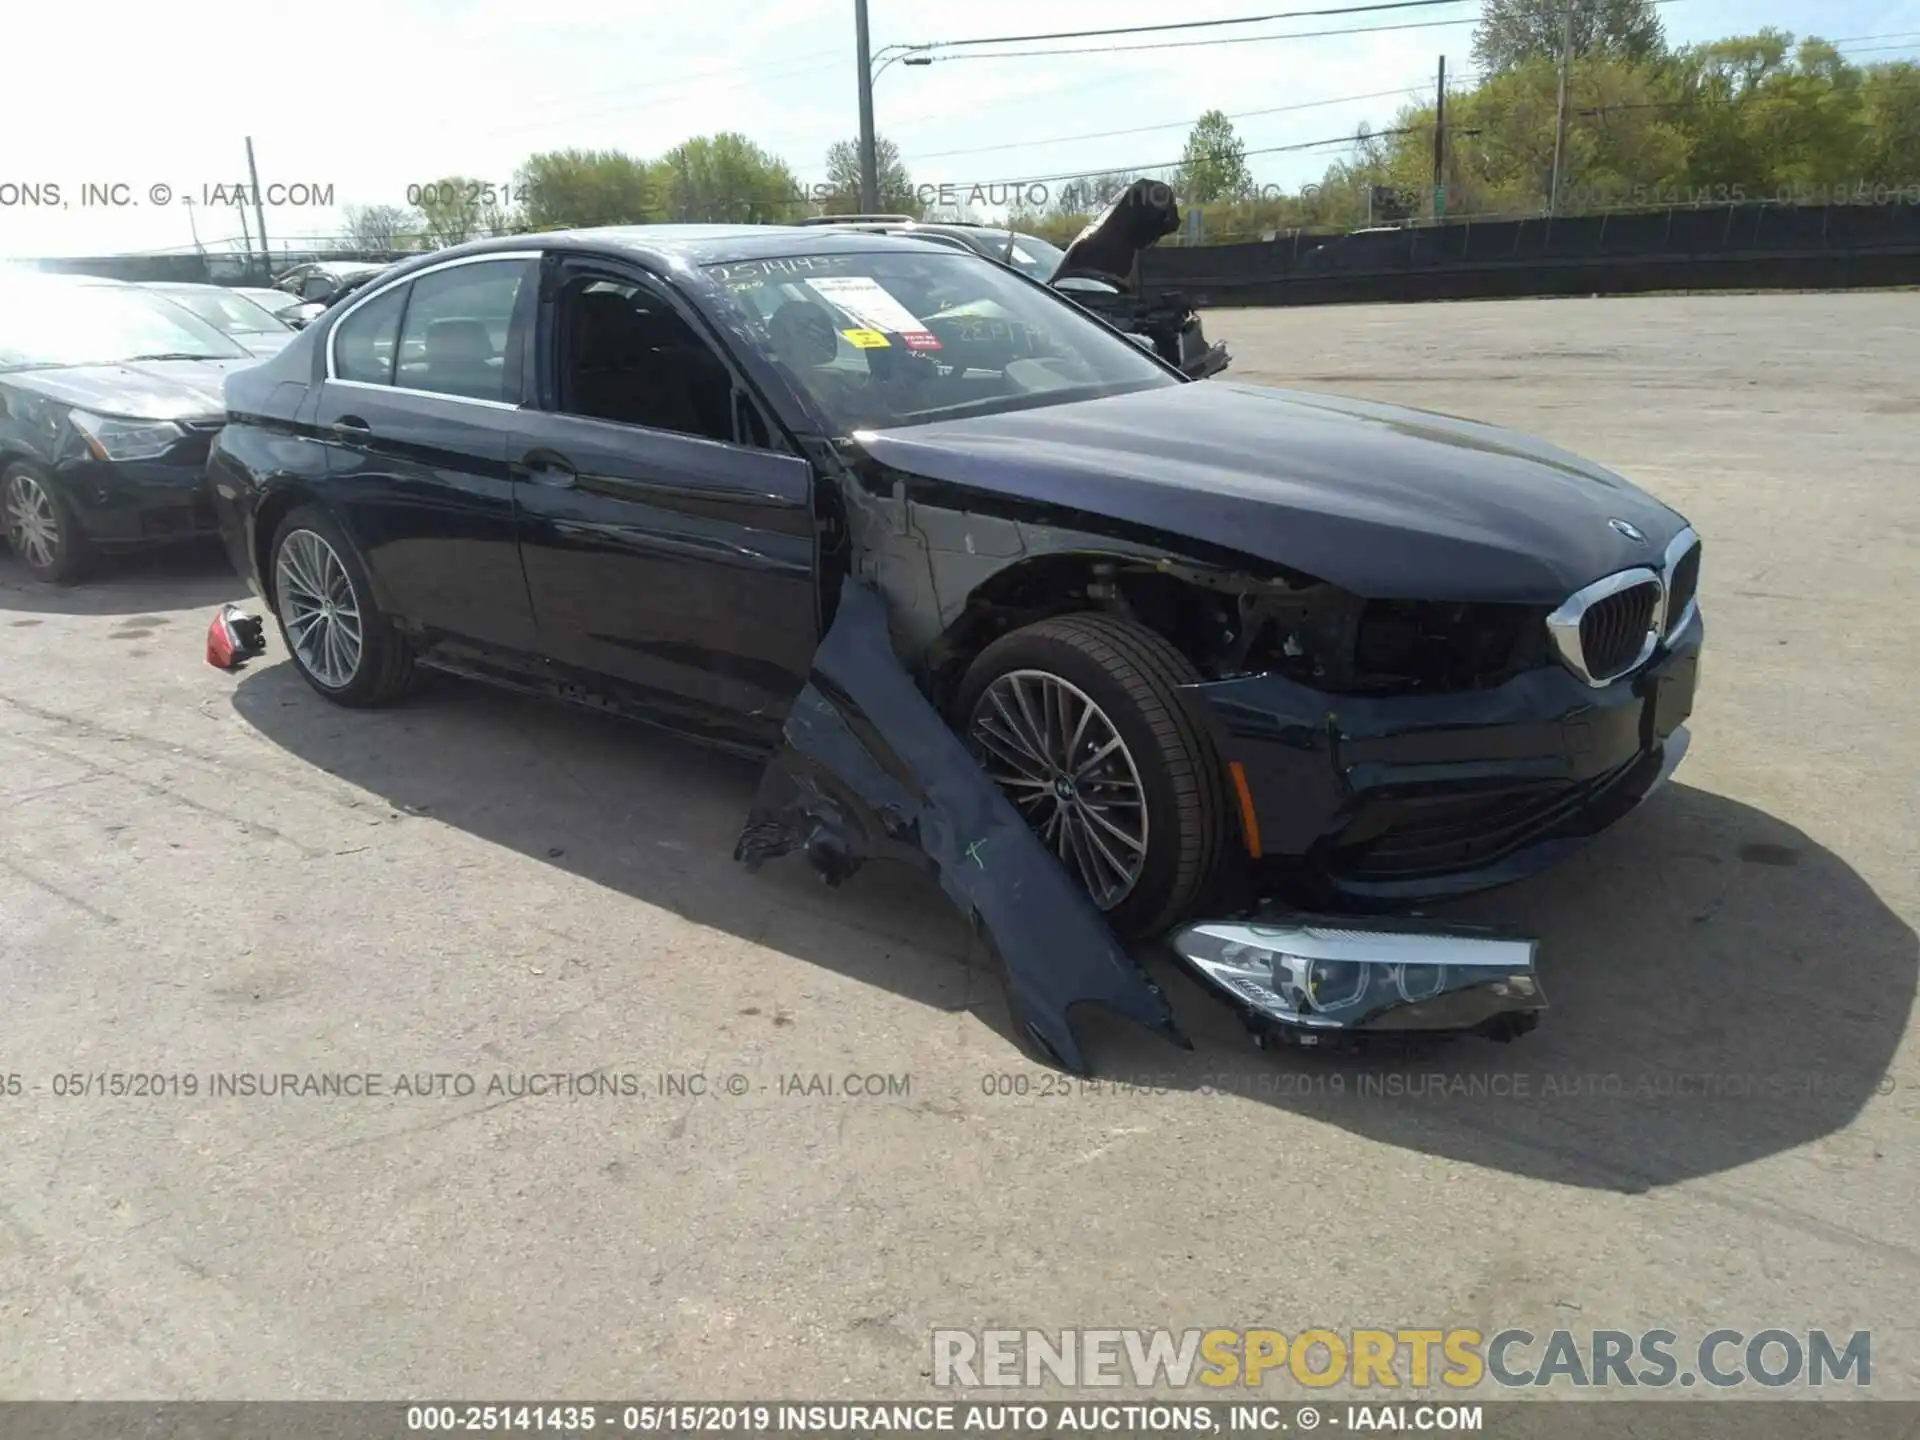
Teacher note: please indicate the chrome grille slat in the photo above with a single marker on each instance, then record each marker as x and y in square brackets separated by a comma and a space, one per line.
[1613, 626]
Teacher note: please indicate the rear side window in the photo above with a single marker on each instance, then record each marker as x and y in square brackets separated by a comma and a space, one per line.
[455, 337]
[367, 341]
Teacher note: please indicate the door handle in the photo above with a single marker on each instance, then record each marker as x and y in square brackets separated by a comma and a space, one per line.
[543, 467]
[351, 425]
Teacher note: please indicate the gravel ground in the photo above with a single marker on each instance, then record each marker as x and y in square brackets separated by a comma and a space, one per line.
[207, 875]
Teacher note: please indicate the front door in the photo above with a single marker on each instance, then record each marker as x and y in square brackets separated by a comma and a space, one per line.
[668, 540]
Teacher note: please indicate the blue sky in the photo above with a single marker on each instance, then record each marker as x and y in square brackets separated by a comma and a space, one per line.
[390, 93]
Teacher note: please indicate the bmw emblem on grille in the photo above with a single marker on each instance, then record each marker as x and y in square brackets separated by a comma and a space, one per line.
[1631, 531]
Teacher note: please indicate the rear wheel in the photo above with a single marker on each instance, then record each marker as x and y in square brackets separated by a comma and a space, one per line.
[41, 529]
[342, 643]
[1079, 721]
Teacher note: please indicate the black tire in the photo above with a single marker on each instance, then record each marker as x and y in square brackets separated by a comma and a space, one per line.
[384, 669]
[1133, 676]
[70, 556]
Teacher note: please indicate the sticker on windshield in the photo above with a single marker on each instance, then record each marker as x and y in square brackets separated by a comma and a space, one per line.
[862, 298]
[867, 339]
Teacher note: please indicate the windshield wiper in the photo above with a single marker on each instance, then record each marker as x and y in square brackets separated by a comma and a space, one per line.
[180, 355]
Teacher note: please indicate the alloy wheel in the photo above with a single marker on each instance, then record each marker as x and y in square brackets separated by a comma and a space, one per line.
[319, 609]
[1059, 758]
[33, 525]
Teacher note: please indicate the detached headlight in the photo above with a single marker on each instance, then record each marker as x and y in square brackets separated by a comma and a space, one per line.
[110, 439]
[1349, 974]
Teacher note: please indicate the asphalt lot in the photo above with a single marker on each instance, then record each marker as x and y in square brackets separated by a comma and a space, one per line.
[206, 874]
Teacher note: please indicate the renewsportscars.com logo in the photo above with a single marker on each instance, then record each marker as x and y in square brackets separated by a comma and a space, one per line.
[1391, 1359]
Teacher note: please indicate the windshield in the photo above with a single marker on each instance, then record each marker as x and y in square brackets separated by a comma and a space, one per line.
[44, 325]
[894, 338]
[272, 301]
[1033, 257]
[226, 311]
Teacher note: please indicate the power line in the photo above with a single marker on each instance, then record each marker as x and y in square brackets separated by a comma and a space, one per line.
[1171, 124]
[1240, 39]
[1195, 44]
[1348, 139]
[1193, 24]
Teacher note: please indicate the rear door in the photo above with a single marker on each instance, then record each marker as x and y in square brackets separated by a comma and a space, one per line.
[420, 405]
[666, 527]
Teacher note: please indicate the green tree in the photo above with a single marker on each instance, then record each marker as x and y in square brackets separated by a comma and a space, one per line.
[567, 189]
[894, 186]
[1214, 164]
[381, 227]
[1890, 103]
[455, 209]
[1512, 32]
[726, 179]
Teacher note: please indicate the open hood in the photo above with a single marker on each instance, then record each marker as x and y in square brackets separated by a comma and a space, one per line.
[1144, 214]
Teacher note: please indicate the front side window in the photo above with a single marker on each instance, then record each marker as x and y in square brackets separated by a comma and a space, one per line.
[455, 337]
[366, 342]
[890, 338]
[628, 357]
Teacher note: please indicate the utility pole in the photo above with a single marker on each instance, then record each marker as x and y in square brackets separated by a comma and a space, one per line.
[869, 167]
[1560, 116]
[193, 226]
[1440, 143]
[259, 215]
[246, 238]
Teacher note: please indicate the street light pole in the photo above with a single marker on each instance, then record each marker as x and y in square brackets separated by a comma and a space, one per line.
[869, 165]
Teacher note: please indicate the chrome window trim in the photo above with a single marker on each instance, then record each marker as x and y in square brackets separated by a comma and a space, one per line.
[426, 394]
[1677, 548]
[1563, 625]
[333, 332]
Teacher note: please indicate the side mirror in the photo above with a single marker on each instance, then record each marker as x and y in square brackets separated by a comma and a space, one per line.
[1145, 342]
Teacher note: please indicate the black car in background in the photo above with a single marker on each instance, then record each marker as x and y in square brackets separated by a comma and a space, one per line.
[321, 284]
[237, 316]
[276, 303]
[1100, 271]
[1199, 633]
[109, 398]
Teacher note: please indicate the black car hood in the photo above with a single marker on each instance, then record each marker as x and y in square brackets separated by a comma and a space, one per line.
[138, 389]
[1144, 213]
[1384, 501]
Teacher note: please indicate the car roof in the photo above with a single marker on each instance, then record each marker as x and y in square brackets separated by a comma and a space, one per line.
[667, 246]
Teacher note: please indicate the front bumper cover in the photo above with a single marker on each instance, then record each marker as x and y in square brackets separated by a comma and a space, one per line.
[1386, 802]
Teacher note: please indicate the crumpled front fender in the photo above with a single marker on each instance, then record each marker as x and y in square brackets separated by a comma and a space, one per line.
[870, 770]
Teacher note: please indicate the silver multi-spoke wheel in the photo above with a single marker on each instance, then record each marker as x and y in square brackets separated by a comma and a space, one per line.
[1063, 764]
[318, 608]
[33, 525]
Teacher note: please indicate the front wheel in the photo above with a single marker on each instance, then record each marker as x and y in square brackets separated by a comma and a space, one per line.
[1078, 719]
[342, 643]
[41, 528]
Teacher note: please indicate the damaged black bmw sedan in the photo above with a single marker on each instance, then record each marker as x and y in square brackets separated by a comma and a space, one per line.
[1211, 640]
